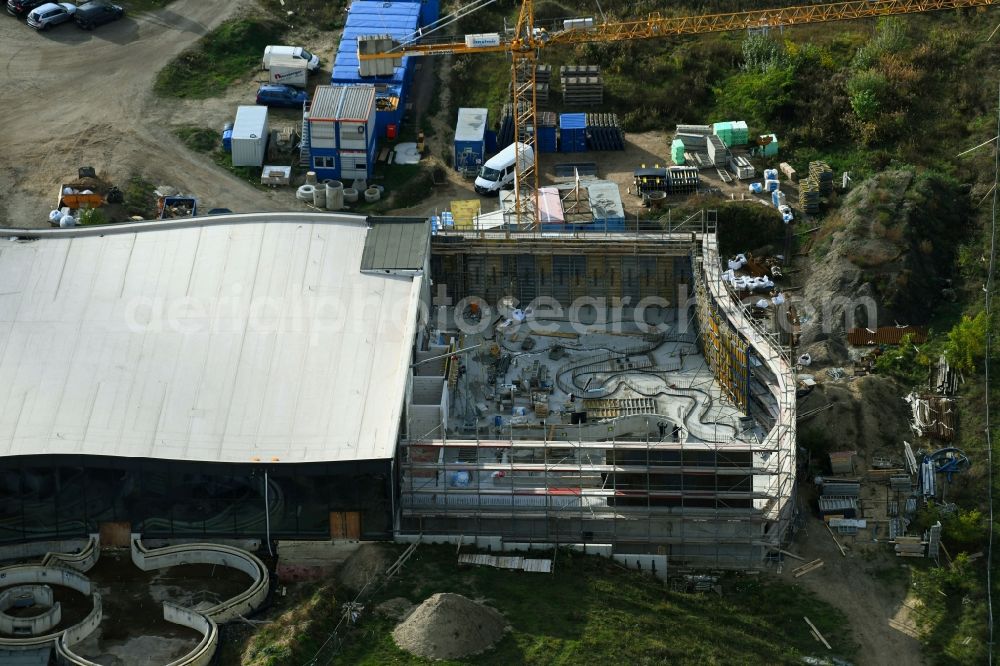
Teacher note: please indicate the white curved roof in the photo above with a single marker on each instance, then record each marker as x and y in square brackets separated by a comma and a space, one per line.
[220, 339]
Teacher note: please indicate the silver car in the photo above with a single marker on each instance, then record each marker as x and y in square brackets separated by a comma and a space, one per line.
[50, 14]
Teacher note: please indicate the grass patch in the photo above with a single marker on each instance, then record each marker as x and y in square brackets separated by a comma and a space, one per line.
[209, 142]
[593, 611]
[315, 14]
[218, 59]
[199, 139]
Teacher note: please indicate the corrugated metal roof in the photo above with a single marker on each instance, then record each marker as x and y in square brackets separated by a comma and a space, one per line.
[250, 122]
[342, 102]
[357, 103]
[396, 244]
[573, 120]
[885, 335]
[367, 17]
[257, 362]
[471, 125]
[326, 101]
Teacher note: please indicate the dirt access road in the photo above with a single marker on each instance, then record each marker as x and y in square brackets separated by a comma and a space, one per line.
[74, 98]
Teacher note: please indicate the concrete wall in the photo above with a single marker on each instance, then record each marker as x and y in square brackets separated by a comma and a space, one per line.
[80, 554]
[31, 573]
[654, 564]
[38, 549]
[202, 654]
[35, 625]
[209, 553]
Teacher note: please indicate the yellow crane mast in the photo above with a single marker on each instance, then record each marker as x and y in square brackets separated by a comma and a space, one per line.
[525, 41]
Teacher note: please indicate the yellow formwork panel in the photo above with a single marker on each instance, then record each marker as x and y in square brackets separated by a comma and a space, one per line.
[465, 211]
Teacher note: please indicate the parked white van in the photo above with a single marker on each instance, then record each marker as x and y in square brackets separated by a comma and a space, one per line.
[292, 51]
[498, 172]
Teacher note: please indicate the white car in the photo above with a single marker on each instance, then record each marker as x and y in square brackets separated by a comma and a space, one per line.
[50, 14]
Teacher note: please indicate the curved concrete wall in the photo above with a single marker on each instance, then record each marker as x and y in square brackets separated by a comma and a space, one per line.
[81, 561]
[210, 553]
[34, 625]
[76, 633]
[205, 650]
[31, 626]
[39, 549]
[39, 575]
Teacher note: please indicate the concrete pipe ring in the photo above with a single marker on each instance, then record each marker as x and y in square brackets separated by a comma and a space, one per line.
[372, 195]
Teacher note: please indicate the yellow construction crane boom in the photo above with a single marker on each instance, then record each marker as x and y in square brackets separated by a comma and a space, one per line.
[525, 41]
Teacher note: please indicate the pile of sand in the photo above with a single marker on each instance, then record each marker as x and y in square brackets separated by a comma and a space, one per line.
[449, 626]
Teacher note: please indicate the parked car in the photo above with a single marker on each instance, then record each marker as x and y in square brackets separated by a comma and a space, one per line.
[281, 95]
[20, 8]
[50, 14]
[92, 14]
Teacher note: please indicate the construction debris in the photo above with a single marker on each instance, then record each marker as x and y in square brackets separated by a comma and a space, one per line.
[816, 633]
[806, 568]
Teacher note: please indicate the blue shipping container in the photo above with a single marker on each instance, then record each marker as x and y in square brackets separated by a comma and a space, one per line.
[470, 138]
[546, 140]
[573, 132]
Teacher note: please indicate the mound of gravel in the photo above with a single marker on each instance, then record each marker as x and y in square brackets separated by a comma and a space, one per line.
[449, 626]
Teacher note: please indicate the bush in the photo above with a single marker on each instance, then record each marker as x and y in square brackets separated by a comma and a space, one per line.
[904, 362]
[966, 344]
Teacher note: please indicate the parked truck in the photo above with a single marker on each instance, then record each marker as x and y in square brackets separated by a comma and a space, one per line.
[287, 70]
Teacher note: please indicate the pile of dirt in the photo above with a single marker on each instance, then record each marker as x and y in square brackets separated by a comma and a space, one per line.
[883, 258]
[449, 626]
[366, 563]
[864, 415]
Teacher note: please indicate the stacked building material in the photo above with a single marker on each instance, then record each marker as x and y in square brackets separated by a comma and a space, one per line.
[672, 180]
[545, 139]
[741, 167]
[789, 172]
[582, 85]
[604, 132]
[677, 151]
[717, 152]
[543, 79]
[732, 133]
[823, 175]
[702, 130]
[809, 195]
[572, 132]
[769, 143]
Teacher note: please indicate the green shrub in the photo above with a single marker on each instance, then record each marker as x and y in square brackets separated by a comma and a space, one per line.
[219, 58]
[966, 344]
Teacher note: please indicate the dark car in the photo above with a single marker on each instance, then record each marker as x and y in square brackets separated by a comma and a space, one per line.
[92, 14]
[22, 7]
[279, 95]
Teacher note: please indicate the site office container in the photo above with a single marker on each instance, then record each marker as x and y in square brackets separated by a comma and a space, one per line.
[342, 131]
[470, 138]
[250, 136]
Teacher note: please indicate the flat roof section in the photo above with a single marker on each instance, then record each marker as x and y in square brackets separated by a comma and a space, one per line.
[259, 339]
[396, 244]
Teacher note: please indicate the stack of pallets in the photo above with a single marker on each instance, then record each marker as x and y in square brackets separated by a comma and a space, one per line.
[543, 79]
[823, 175]
[809, 195]
[581, 85]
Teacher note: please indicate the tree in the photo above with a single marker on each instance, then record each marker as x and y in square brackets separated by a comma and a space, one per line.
[966, 344]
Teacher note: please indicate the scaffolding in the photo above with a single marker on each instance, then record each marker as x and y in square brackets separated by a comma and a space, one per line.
[710, 501]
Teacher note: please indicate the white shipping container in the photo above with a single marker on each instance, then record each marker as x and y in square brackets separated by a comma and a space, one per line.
[578, 24]
[250, 136]
[482, 39]
[288, 70]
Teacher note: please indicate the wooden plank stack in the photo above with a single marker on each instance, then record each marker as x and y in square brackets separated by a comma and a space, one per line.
[823, 174]
[909, 546]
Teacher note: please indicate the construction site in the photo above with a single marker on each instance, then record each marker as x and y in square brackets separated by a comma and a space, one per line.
[429, 323]
[588, 408]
